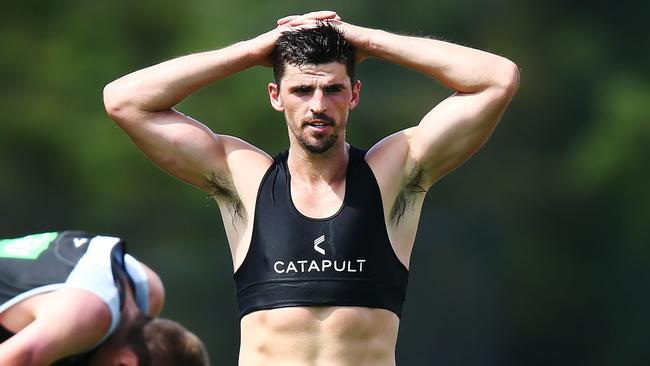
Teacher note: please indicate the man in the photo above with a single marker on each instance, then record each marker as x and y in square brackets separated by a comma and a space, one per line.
[73, 298]
[320, 235]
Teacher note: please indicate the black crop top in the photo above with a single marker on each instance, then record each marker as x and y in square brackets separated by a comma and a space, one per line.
[344, 260]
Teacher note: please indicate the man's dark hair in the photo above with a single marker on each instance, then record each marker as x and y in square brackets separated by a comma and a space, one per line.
[163, 342]
[319, 45]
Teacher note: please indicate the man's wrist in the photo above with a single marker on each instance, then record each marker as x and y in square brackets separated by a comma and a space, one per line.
[259, 49]
[376, 42]
[367, 42]
[248, 53]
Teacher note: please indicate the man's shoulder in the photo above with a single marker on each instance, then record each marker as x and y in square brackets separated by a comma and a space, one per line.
[235, 184]
[388, 157]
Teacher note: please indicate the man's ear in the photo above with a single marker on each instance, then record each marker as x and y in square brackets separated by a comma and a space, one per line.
[356, 94]
[274, 96]
[126, 357]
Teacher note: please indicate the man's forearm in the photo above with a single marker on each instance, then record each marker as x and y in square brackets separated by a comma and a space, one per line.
[160, 87]
[460, 68]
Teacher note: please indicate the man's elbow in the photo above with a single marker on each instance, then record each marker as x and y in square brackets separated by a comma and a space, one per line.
[117, 102]
[508, 78]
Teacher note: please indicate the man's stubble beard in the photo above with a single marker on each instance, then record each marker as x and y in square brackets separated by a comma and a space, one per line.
[325, 143]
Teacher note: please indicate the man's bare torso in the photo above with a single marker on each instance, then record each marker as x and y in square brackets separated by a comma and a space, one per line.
[329, 336]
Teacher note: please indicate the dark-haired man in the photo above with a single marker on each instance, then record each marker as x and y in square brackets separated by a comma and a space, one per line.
[321, 234]
[74, 298]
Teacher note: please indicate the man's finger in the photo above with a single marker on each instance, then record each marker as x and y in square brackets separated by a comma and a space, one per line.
[323, 14]
[287, 19]
[306, 22]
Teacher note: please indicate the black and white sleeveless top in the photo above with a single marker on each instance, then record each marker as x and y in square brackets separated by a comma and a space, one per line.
[46, 262]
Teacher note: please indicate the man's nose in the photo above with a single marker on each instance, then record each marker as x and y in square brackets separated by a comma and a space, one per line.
[317, 102]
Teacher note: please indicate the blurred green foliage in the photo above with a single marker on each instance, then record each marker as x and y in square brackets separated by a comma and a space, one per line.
[535, 252]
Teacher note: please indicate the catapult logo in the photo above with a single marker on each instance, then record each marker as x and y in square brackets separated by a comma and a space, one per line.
[322, 265]
[319, 240]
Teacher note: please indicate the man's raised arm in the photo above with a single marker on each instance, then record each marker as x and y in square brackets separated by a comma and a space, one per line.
[454, 129]
[142, 104]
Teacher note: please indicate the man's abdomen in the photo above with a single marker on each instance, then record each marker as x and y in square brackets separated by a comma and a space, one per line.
[336, 336]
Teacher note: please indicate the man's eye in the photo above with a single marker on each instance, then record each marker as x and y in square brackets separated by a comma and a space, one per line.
[332, 89]
[302, 90]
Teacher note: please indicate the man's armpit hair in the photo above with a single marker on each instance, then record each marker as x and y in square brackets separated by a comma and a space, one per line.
[222, 188]
[406, 197]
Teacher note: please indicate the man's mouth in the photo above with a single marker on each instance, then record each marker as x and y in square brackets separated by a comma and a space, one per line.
[320, 120]
[319, 123]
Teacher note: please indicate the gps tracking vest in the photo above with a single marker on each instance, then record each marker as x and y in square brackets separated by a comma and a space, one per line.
[343, 260]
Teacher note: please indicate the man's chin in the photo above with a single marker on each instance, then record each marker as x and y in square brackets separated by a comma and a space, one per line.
[318, 147]
[316, 143]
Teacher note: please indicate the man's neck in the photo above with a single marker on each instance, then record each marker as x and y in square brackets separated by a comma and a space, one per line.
[313, 168]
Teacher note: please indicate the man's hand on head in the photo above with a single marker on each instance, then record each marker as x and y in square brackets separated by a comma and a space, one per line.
[297, 20]
[359, 37]
[265, 43]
